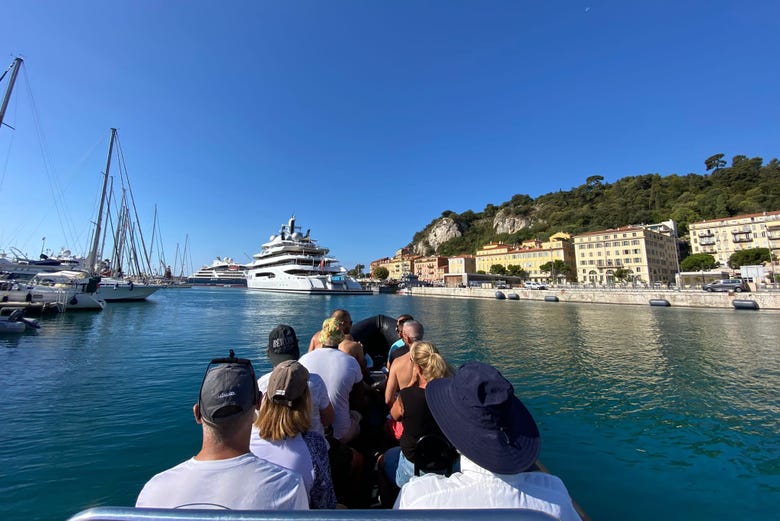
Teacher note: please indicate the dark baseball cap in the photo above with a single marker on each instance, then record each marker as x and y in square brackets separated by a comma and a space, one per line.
[229, 389]
[282, 344]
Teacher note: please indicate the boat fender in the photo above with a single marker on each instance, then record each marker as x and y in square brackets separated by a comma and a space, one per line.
[377, 334]
[5, 298]
[73, 301]
[31, 323]
[28, 298]
[130, 285]
[500, 295]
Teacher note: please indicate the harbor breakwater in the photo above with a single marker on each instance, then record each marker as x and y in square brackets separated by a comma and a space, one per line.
[765, 300]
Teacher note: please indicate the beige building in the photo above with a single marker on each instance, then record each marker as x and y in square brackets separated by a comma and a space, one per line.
[530, 256]
[723, 237]
[462, 264]
[431, 269]
[398, 266]
[649, 253]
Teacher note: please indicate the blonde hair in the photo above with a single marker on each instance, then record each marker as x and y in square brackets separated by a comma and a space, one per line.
[277, 421]
[331, 334]
[432, 365]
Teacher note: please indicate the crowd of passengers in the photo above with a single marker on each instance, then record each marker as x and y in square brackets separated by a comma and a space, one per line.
[292, 440]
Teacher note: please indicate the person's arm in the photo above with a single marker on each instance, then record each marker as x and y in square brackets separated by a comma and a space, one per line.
[314, 342]
[326, 415]
[392, 386]
[397, 411]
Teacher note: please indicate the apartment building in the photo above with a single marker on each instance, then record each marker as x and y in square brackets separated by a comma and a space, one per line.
[402, 263]
[723, 237]
[649, 253]
[529, 256]
[431, 269]
[462, 264]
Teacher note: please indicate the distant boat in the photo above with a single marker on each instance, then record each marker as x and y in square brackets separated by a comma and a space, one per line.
[221, 272]
[292, 262]
[70, 289]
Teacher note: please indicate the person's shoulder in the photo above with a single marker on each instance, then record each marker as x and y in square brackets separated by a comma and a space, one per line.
[262, 382]
[421, 491]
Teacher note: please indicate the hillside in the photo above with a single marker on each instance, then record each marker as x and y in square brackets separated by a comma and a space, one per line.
[747, 186]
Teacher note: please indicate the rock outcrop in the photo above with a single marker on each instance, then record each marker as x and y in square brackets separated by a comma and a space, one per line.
[506, 222]
[442, 231]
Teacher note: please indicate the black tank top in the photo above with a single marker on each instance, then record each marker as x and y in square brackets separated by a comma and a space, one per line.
[418, 420]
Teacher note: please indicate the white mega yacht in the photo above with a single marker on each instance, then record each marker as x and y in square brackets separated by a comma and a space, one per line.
[222, 272]
[291, 262]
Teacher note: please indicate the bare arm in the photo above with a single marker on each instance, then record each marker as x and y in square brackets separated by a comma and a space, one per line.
[327, 414]
[392, 386]
[397, 411]
[314, 343]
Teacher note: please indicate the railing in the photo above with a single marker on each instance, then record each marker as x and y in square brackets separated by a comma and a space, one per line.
[144, 514]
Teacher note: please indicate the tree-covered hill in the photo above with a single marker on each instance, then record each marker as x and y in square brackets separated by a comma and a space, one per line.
[747, 186]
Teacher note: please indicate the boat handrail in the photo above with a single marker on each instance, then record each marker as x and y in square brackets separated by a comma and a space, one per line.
[154, 514]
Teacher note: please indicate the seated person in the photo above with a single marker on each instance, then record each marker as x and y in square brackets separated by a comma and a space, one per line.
[499, 443]
[282, 346]
[411, 409]
[226, 407]
[281, 433]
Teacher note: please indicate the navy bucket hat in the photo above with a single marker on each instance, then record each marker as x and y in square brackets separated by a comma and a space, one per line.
[481, 416]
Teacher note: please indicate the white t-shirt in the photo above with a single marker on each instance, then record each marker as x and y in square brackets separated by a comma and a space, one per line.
[340, 372]
[476, 487]
[290, 453]
[245, 482]
[319, 398]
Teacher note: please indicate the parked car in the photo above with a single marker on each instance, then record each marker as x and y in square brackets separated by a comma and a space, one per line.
[529, 284]
[736, 285]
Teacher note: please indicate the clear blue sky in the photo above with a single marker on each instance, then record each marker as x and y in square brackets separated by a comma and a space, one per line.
[365, 119]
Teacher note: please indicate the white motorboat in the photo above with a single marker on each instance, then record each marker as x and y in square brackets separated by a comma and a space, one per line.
[222, 272]
[292, 262]
[71, 289]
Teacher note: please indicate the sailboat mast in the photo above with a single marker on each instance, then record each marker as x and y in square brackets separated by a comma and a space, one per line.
[16, 64]
[96, 241]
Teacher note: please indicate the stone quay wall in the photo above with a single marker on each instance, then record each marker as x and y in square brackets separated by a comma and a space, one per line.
[765, 300]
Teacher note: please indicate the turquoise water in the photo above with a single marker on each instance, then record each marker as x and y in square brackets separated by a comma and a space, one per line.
[646, 413]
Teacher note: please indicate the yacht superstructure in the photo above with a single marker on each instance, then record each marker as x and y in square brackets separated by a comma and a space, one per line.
[291, 262]
[222, 272]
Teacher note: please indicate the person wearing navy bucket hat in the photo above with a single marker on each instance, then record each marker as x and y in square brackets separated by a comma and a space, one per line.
[499, 442]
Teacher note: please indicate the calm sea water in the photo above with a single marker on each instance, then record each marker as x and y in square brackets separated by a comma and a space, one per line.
[646, 413]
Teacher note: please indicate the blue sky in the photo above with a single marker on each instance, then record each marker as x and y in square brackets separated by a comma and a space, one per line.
[365, 119]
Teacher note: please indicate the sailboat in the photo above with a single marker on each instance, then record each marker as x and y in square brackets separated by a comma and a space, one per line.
[114, 285]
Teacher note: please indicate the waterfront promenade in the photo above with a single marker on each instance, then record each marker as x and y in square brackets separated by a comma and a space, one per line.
[695, 298]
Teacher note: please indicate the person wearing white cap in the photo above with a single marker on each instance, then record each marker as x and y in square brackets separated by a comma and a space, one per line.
[498, 440]
[225, 474]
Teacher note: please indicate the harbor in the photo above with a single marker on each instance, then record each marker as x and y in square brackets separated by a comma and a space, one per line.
[692, 298]
[684, 404]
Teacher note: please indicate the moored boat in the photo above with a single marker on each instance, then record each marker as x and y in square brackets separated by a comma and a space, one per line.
[291, 262]
[222, 272]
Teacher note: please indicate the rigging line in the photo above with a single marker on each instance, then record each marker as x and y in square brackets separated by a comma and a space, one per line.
[123, 167]
[8, 154]
[66, 226]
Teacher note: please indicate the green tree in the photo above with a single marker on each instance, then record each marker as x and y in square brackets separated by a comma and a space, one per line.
[513, 269]
[357, 271]
[498, 269]
[699, 262]
[381, 273]
[751, 257]
[715, 162]
[623, 274]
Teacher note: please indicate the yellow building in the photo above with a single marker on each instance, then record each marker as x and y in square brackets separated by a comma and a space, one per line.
[530, 256]
[398, 266]
[723, 237]
[649, 253]
[462, 264]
